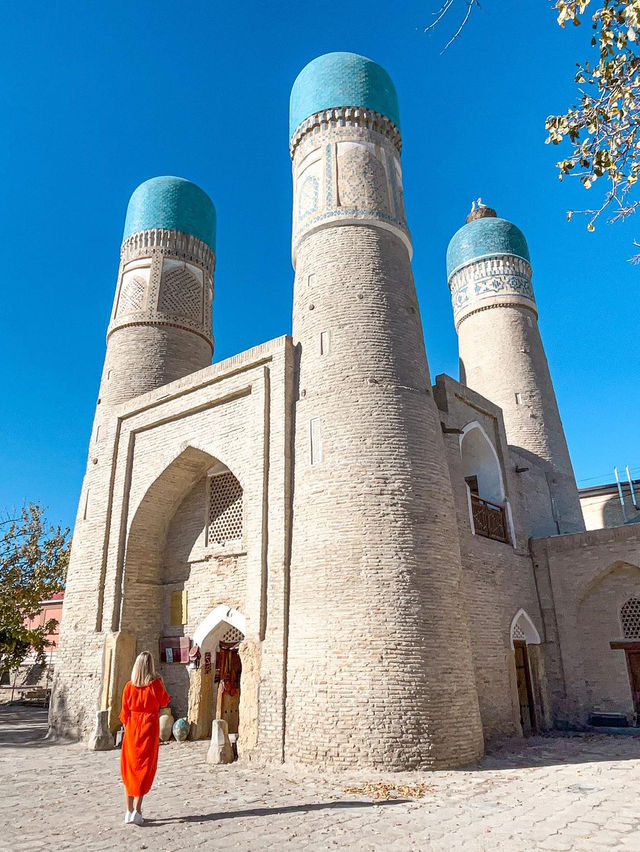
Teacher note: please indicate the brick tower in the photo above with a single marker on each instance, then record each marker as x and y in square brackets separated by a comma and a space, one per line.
[160, 327]
[379, 665]
[160, 330]
[502, 357]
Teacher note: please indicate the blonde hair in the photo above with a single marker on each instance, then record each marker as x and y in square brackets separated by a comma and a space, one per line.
[144, 671]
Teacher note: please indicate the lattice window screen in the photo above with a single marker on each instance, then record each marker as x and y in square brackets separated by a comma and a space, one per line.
[225, 509]
[518, 634]
[630, 617]
[233, 635]
[181, 294]
[131, 295]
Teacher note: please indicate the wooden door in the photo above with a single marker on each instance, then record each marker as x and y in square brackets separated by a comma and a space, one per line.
[525, 693]
[633, 665]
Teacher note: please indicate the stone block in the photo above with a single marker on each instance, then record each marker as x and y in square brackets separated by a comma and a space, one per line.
[220, 750]
[102, 738]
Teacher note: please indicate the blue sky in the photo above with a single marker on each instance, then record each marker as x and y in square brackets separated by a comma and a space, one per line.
[97, 97]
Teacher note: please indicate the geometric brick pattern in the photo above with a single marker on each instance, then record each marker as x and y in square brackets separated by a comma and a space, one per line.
[362, 180]
[233, 636]
[132, 295]
[181, 294]
[518, 634]
[225, 509]
[630, 617]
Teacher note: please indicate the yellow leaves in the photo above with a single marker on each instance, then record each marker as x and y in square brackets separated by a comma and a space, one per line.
[570, 10]
[384, 790]
[603, 131]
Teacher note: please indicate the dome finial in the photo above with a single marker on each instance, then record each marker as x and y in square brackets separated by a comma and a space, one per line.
[342, 80]
[173, 203]
[481, 211]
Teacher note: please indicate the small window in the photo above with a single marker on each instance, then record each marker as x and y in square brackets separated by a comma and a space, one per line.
[518, 399]
[85, 511]
[325, 343]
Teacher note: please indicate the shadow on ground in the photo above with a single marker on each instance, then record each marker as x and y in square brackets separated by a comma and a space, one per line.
[557, 749]
[285, 809]
[23, 726]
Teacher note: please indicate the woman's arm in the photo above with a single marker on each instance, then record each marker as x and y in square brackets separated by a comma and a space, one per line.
[163, 696]
[125, 713]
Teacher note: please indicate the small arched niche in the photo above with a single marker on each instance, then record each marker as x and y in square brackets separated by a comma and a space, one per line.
[523, 629]
[480, 464]
[488, 507]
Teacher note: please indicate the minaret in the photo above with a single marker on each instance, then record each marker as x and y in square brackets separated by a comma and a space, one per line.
[160, 330]
[160, 327]
[379, 664]
[502, 357]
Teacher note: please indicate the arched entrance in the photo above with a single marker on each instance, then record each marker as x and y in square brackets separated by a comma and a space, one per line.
[609, 623]
[214, 690]
[523, 634]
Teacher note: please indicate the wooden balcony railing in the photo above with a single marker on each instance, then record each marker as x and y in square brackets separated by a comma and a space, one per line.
[489, 519]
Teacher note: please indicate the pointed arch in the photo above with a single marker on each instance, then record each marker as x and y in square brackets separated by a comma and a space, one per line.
[220, 615]
[141, 587]
[482, 472]
[523, 626]
[602, 575]
[480, 459]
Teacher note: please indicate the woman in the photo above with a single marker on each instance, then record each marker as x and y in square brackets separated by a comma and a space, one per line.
[142, 698]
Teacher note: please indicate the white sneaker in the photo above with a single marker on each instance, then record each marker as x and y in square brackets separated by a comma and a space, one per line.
[128, 817]
[137, 818]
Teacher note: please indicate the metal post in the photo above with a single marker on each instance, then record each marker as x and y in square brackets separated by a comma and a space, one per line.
[621, 495]
[631, 488]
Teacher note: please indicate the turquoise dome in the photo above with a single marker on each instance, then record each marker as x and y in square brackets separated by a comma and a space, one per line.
[175, 203]
[486, 237]
[342, 80]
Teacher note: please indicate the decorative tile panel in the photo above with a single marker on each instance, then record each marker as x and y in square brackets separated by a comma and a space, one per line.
[490, 281]
[132, 292]
[362, 179]
[180, 293]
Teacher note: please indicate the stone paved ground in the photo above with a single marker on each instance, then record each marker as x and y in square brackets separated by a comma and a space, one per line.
[556, 793]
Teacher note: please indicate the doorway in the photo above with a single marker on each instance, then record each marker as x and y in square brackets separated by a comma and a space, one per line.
[214, 690]
[525, 692]
[227, 685]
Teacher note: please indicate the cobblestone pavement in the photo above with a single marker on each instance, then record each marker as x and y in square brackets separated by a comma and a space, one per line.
[556, 793]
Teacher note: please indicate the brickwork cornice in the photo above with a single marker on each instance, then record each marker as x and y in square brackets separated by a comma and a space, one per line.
[590, 538]
[171, 244]
[338, 117]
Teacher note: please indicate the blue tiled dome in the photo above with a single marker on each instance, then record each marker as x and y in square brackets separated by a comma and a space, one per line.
[172, 202]
[485, 237]
[342, 80]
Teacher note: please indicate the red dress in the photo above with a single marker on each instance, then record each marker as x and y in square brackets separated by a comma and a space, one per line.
[139, 757]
